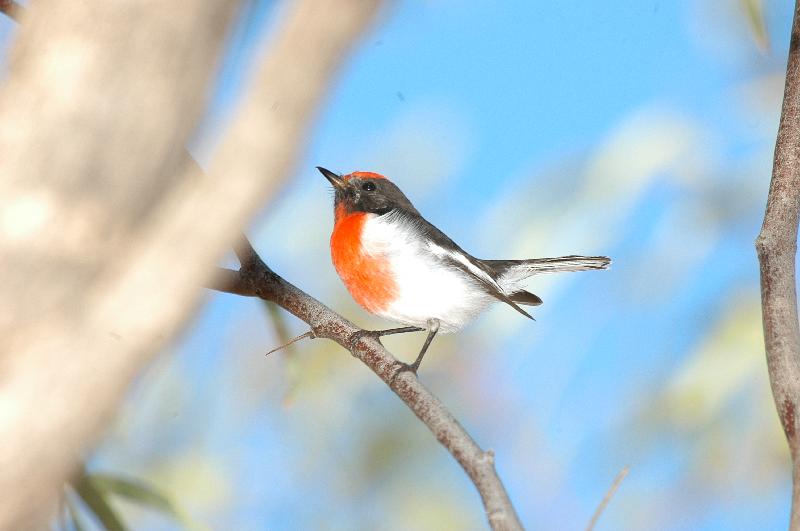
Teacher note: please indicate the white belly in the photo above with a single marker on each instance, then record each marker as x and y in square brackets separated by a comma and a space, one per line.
[426, 289]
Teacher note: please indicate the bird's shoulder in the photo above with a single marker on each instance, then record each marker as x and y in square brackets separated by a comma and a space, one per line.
[436, 243]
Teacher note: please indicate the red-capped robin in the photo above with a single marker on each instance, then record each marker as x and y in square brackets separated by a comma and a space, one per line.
[399, 266]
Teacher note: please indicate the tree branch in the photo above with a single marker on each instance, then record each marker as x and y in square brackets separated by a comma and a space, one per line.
[279, 106]
[107, 226]
[255, 278]
[607, 498]
[11, 9]
[777, 247]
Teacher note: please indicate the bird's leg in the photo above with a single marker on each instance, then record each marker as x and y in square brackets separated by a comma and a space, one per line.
[392, 331]
[433, 327]
[380, 333]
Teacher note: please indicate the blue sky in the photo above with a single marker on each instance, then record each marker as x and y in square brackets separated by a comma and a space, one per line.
[641, 130]
[466, 106]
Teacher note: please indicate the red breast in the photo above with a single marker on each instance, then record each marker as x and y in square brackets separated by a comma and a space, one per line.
[368, 277]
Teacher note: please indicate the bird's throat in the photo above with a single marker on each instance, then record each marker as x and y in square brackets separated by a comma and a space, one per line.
[367, 276]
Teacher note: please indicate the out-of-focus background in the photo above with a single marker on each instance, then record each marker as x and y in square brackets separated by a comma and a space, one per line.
[642, 130]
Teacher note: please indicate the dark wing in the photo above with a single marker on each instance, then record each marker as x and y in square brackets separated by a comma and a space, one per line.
[456, 257]
[526, 297]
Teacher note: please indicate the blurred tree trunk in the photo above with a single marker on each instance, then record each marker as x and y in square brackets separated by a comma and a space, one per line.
[777, 248]
[107, 229]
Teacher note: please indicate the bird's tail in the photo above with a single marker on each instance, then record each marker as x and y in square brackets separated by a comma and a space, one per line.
[511, 271]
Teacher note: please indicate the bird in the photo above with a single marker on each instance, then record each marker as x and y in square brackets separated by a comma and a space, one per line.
[399, 266]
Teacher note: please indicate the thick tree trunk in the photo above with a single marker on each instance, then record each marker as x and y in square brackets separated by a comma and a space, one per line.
[106, 227]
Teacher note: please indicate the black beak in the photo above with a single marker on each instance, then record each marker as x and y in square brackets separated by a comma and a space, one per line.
[334, 179]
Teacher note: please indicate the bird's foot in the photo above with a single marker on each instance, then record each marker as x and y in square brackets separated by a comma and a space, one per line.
[408, 367]
[355, 337]
[400, 368]
[433, 327]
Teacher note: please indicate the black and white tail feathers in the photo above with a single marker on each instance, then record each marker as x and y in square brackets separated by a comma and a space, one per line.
[515, 270]
[510, 272]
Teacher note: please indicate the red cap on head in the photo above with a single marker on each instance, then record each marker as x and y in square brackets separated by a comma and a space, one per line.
[363, 175]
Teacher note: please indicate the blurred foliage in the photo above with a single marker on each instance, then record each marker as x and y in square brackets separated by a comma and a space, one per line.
[95, 492]
[723, 365]
[292, 368]
[95, 498]
[657, 363]
[754, 10]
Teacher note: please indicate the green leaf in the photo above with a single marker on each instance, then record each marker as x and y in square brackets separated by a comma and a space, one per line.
[291, 367]
[143, 494]
[93, 496]
[75, 516]
[135, 491]
[754, 10]
[279, 322]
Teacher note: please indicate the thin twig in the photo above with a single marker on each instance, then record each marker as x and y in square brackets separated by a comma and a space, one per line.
[309, 334]
[11, 9]
[259, 279]
[777, 247]
[277, 318]
[607, 498]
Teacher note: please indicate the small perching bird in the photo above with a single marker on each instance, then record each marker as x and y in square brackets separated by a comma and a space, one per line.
[400, 267]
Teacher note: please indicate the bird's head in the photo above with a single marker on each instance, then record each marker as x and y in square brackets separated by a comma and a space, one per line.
[365, 192]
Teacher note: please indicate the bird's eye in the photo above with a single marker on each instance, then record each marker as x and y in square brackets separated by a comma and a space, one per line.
[368, 187]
